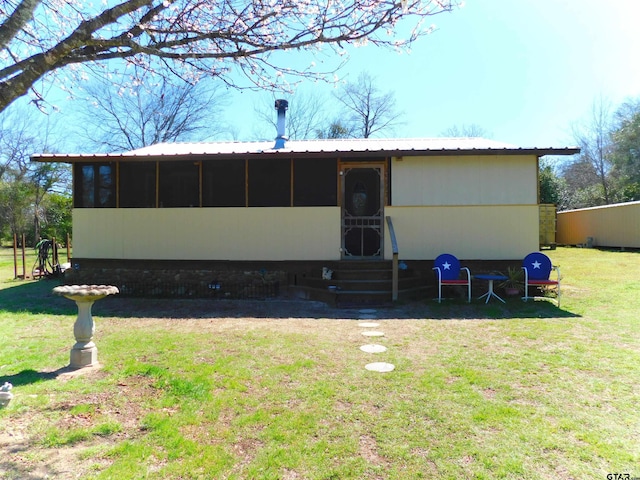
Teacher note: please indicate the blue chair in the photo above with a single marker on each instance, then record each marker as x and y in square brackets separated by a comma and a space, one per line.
[537, 272]
[450, 273]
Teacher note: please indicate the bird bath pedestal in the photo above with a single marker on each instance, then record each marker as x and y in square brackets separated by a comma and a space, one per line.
[84, 353]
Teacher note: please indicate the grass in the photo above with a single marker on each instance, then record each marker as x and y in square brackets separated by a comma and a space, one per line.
[14, 266]
[232, 390]
[9, 265]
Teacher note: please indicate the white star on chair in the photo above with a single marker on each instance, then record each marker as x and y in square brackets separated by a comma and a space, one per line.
[446, 266]
[536, 265]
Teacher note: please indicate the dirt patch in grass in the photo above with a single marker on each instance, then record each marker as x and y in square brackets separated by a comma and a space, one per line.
[369, 451]
[24, 445]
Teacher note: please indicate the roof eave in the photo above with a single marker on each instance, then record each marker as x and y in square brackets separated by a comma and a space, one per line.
[111, 157]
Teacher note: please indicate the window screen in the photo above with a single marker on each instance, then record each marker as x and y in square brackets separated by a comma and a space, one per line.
[315, 182]
[223, 183]
[138, 185]
[269, 182]
[179, 184]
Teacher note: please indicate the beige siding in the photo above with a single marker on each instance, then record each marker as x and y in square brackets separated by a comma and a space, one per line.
[470, 180]
[473, 233]
[208, 233]
[476, 207]
[608, 226]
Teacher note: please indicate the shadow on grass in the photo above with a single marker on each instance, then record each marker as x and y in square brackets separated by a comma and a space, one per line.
[34, 296]
[37, 298]
[513, 309]
[28, 377]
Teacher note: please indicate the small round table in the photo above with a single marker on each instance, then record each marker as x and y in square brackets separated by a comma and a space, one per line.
[490, 278]
[84, 353]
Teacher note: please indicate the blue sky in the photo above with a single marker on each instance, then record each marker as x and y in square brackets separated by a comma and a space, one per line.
[523, 70]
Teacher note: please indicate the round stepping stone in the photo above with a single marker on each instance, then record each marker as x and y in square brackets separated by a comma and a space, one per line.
[373, 348]
[380, 367]
[371, 333]
[368, 325]
[367, 310]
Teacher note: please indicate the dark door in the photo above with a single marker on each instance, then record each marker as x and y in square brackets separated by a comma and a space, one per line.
[362, 211]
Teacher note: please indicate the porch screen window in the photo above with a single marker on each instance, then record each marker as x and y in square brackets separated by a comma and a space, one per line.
[179, 184]
[223, 183]
[314, 182]
[269, 182]
[94, 185]
[138, 185]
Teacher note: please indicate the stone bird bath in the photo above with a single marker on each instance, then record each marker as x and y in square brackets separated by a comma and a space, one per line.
[84, 353]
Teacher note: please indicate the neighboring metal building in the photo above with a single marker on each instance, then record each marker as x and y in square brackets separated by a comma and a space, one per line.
[616, 225]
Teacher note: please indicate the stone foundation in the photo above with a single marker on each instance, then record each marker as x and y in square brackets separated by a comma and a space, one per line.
[181, 282]
[234, 279]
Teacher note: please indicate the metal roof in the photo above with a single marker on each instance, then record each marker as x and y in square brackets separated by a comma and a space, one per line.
[323, 146]
[361, 147]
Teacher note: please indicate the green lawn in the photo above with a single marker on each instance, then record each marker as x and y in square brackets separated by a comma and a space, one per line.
[233, 390]
[13, 263]
[8, 268]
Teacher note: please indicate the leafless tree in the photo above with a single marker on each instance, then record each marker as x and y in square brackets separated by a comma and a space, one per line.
[369, 111]
[190, 38]
[626, 149]
[130, 115]
[594, 139]
[335, 129]
[470, 130]
[23, 184]
[17, 140]
[305, 115]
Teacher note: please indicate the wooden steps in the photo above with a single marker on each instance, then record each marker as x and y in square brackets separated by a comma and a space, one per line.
[361, 283]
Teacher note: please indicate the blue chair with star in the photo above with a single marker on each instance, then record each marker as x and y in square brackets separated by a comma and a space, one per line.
[449, 273]
[537, 273]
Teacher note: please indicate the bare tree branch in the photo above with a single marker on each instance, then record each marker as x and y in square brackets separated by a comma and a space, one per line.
[305, 115]
[371, 111]
[24, 185]
[195, 37]
[470, 130]
[127, 116]
[17, 20]
[595, 144]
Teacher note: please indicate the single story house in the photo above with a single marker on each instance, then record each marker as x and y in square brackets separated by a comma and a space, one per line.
[218, 213]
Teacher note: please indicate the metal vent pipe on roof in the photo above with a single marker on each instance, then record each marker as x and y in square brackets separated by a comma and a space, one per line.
[281, 107]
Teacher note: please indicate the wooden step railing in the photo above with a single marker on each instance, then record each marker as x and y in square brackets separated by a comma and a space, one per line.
[394, 262]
